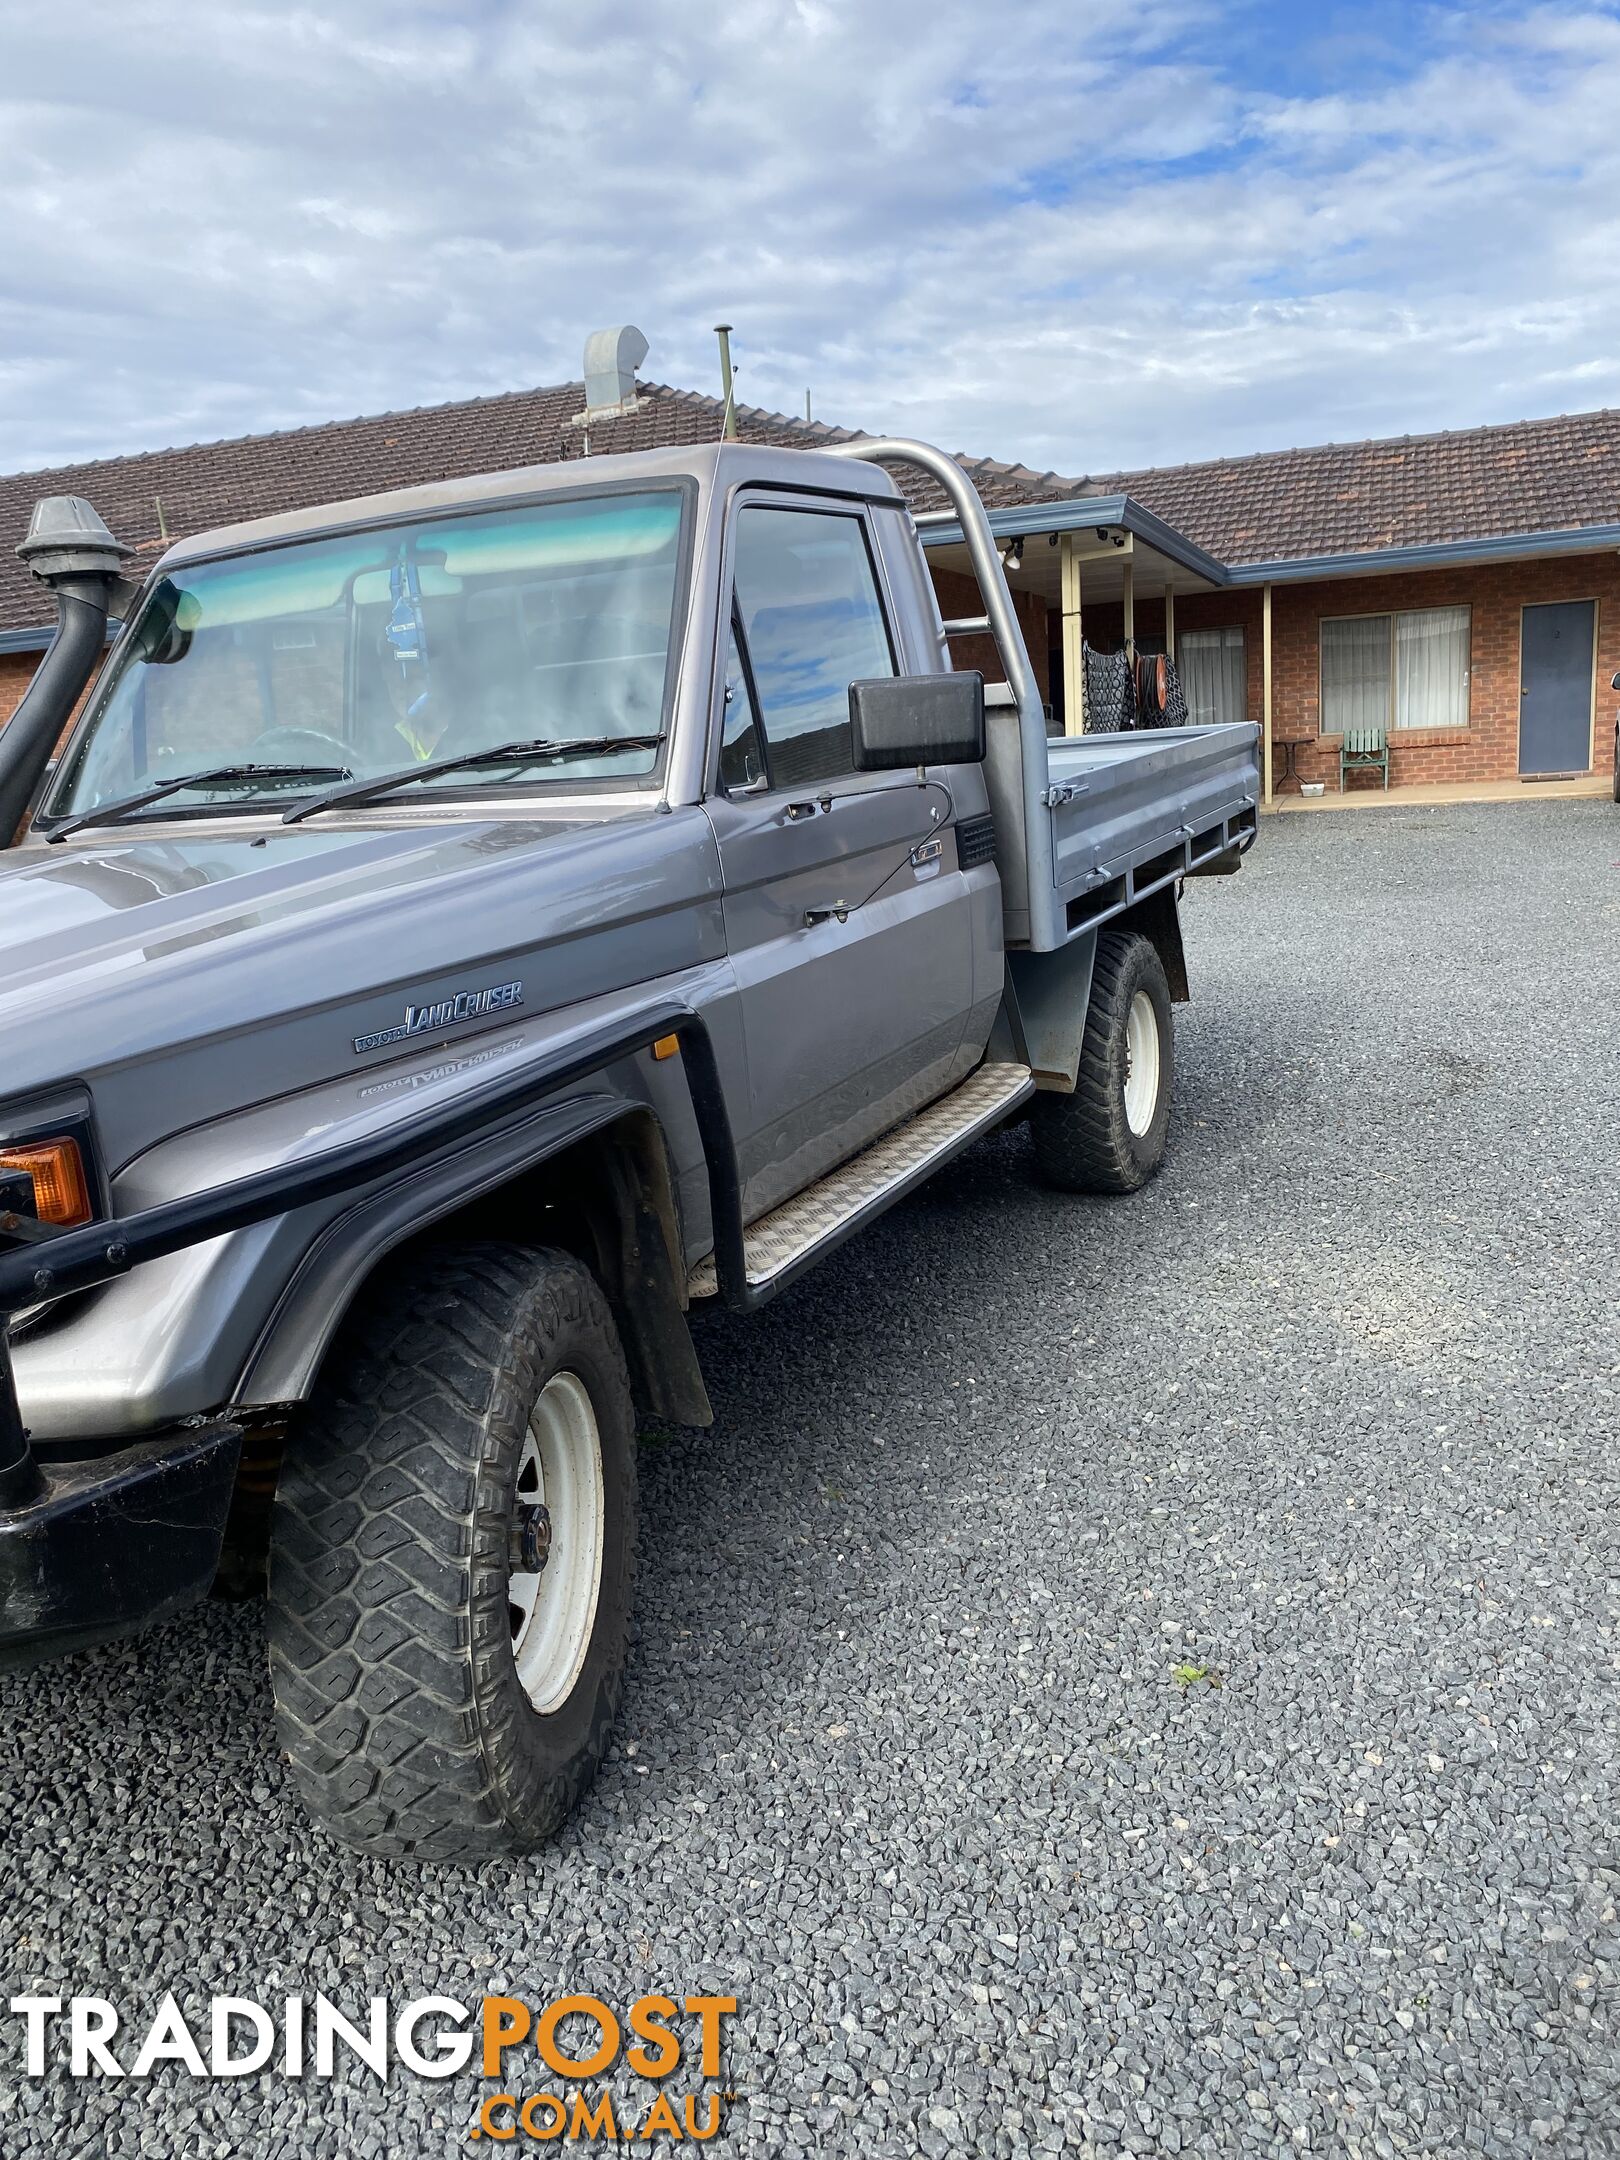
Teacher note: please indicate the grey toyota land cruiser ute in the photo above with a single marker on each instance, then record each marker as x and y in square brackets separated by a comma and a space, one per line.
[466, 932]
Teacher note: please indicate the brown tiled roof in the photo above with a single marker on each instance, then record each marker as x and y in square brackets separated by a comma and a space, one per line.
[1339, 498]
[1343, 498]
[162, 495]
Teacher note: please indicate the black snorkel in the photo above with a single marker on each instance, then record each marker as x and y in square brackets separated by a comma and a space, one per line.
[69, 549]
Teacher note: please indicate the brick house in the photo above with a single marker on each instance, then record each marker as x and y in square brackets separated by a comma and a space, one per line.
[1461, 590]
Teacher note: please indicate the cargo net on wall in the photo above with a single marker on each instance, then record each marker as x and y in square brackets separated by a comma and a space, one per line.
[1124, 692]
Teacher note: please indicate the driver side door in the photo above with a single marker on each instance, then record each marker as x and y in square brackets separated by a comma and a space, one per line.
[848, 922]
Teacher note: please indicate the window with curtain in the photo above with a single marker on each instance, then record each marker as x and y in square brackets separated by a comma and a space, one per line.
[1431, 668]
[1408, 670]
[1355, 673]
[1211, 666]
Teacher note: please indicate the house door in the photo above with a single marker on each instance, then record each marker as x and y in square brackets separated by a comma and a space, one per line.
[1555, 687]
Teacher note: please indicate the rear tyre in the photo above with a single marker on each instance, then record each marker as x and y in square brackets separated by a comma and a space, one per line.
[1108, 1136]
[451, 1557]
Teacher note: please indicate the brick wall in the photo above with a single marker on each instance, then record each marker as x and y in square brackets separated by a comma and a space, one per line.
[959, 595]
[1488, 747]
[16, 673]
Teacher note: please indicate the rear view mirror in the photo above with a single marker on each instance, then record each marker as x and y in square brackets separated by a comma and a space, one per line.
[908, 720]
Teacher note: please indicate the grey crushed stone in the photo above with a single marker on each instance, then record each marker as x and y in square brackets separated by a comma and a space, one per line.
[1328, 1413]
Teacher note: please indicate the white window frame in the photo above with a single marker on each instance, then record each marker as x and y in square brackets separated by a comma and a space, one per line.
[1392, 616]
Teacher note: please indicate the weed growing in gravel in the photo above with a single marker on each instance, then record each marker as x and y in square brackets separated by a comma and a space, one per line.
[1186, 1676]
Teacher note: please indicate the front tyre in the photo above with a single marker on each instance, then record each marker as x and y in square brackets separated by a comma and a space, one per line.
[1108, 1136]
[451, 1557]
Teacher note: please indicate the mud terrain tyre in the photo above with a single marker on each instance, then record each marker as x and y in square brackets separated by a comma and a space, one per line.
[445, 1682]
[1108, 1136]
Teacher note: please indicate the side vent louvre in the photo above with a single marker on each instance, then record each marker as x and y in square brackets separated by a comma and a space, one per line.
[975, 840]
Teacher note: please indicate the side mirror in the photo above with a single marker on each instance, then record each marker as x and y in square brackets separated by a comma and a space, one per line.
[909, 720]
[1614, 680]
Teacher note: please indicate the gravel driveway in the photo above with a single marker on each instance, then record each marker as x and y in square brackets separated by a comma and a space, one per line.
[1120, 1676]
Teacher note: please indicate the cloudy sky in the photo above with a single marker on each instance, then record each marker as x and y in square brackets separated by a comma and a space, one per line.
[1079, 233]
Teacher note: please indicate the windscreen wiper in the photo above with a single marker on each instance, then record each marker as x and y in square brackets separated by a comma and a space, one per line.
[512, 753]
[216, 776]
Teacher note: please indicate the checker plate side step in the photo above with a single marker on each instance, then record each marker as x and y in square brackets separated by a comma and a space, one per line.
[812, 1222]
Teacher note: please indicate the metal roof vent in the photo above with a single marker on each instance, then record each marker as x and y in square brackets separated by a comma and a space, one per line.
[611, 359]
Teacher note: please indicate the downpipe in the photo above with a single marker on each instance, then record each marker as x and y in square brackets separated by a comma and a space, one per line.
[69, 549]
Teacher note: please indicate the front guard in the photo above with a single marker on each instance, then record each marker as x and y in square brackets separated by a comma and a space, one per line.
[92, 1549]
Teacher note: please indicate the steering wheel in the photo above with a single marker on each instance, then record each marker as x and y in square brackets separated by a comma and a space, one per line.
[299, 746]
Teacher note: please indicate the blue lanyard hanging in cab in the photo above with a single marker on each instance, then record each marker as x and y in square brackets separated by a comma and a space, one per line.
[407, 640]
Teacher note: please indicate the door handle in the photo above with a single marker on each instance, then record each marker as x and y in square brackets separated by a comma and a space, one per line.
[840, 911]
[798, 811]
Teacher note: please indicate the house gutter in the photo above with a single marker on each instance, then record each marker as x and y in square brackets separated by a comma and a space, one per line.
[15, 641]
[1431, 555]
[939, 529]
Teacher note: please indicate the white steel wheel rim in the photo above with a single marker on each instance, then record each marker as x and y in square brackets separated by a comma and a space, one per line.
[553, 1610]
[1141, 1063]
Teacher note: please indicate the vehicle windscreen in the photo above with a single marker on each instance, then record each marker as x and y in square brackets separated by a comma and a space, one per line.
[367, 652]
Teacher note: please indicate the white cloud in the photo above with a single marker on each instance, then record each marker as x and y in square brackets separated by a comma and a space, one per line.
[1061, 232]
